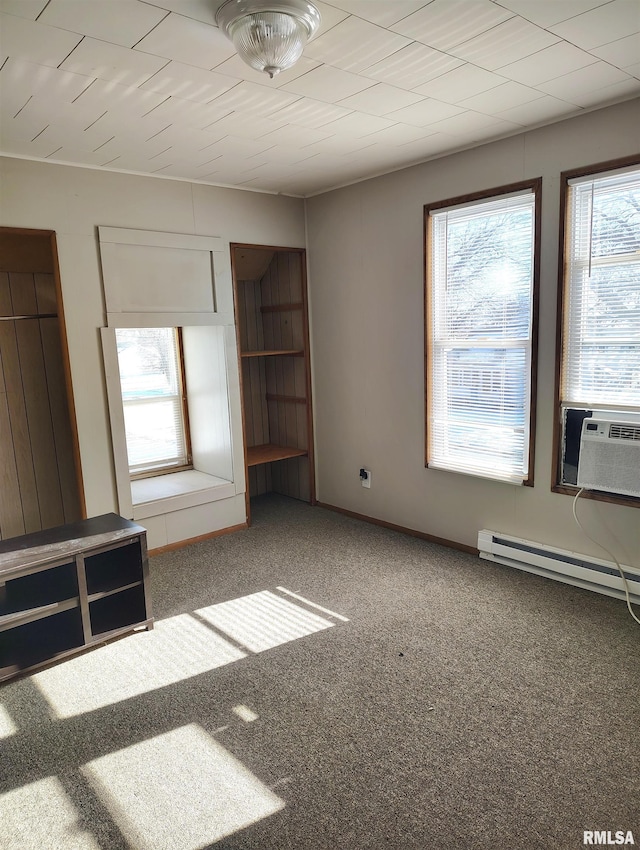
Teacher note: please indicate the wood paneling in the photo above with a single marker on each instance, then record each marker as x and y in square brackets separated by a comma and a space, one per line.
[38, 481]
[25, 251]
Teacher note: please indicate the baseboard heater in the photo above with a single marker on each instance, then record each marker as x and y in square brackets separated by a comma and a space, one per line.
[559, 564]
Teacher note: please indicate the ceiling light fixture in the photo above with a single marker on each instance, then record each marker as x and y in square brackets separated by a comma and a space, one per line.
[269, 37]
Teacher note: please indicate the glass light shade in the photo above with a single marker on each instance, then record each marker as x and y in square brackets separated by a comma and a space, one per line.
[269, 41]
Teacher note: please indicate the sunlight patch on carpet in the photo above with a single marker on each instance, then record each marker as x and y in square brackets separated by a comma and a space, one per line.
[41, 815]
[262, 620]
[179, 791]
[176, 649]
[7, 726]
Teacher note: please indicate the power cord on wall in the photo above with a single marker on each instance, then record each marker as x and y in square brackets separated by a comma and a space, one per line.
[604, 549]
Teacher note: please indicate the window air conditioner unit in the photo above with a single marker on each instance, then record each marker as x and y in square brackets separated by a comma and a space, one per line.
[610, 456]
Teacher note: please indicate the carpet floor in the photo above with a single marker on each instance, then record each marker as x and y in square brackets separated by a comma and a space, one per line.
[318, 682]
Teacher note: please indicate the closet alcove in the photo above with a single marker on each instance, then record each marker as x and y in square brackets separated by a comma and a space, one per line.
[40, 483]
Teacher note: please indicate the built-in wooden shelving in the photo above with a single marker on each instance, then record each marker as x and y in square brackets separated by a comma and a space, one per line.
[269, 453]
[273, 342]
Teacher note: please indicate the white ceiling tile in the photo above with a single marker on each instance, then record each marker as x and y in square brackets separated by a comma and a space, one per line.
[337, 146]
[187, 112]
[383, 14]
[621, 53]
[118, 21]
[111, 62]
[281, 155]
[103, 95]
[29, 9]
[400, 134]
[357, 124]
[188, 82]
[199, 10]
[545, 13]
[76, 155]
[245, 125]
[150, 149]
[547, 64]
[188, 41]
[412, 66]
[501, 98]
[77, 115]
[328, 84]
[254, 99]
[578, 86]
[435, 144]
[292, 134]
[424, 113]
[512, 40]
[330, 16]
[184, 141]
[499, 128]
[239, 70]
[609, 94]
[445, 23]
[354, 45]
[462, 82]
[633, 70]
[132, 161]
[20, 80]
[610, 22]
[42, 145]
[546, 108]
[444, 75]
[466, 124]
[32, 41]
[113, 124]
[307, 112]
[380, 99]
[237, 147]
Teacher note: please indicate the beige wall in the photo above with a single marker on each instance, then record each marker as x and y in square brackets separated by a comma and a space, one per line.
[366, 293]
[73, 201]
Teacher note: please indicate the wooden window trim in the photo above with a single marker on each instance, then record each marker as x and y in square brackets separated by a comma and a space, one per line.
[535, 186]
[556, 467]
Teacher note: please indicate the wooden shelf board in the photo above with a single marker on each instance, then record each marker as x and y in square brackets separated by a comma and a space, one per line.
[269, 452]
[291, 352]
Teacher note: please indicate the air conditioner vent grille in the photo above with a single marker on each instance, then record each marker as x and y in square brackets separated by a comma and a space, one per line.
[625, 432]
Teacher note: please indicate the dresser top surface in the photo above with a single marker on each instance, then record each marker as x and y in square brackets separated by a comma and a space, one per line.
[64, 540]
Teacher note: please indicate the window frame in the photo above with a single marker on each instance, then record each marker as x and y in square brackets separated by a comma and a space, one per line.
[535, 187]
[557, 485]
[167, 469]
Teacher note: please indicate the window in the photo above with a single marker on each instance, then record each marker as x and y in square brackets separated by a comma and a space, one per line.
[153, 399]
[600, 317]
[481, 297]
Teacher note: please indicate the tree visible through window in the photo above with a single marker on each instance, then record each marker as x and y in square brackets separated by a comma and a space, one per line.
[480, 299]
[153, 399]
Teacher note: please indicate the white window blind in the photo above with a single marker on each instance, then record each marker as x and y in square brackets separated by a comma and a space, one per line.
[480, 300]
[150, 378]
[601, 334]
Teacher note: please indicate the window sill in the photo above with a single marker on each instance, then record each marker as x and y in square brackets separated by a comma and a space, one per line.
[597, 495]
[175, 491]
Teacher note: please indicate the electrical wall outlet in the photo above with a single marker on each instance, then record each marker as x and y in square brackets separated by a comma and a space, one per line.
[365, 478]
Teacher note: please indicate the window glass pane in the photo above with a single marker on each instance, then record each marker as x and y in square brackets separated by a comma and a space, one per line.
[150, 377]
[480, 298]
[601, 362]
